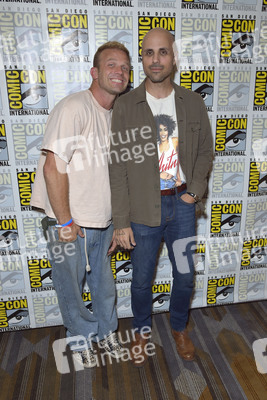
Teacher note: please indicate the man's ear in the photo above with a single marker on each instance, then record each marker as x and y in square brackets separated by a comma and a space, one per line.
[94, 73]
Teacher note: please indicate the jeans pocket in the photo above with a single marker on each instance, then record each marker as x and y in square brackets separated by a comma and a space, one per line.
[185, 202]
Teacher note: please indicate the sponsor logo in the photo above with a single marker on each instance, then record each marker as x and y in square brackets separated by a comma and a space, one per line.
[231, 134]
[220, 290]
[257, 178]
[40, 274]
[9, 238]
[25, 183]
[14, 314]
[147, 22]
[260, 93]
[254, 253]
[27, 92]
[201, 82]
[225, 218]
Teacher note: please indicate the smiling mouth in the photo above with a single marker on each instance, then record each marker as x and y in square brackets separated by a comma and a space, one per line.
[117, 80]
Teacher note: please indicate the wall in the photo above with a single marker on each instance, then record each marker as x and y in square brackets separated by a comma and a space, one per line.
[47, 47]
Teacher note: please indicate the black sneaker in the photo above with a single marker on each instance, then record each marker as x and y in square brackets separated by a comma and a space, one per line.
[112, 345]
[86, 358]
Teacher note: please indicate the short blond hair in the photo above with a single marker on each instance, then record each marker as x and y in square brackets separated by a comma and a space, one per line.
[109, 45]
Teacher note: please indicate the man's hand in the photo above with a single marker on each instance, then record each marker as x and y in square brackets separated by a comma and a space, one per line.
[187, 198]
[124, 238]
[69, 233]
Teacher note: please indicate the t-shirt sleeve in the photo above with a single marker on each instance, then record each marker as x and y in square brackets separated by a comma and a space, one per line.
[63, 129]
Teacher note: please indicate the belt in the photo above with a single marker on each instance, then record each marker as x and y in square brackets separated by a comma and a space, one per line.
[173, 191]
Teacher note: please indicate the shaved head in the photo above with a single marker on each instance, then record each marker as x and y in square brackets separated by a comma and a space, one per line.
[156, 32]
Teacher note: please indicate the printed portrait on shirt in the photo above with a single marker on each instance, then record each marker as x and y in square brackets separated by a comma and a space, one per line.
[167, 139]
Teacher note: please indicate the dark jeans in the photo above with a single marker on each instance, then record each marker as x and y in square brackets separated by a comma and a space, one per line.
[177, 222]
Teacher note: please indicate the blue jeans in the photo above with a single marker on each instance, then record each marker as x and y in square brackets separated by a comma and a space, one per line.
[177, 222]
[69, 274]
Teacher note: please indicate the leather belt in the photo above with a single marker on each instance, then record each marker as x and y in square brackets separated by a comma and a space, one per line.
[173, 191]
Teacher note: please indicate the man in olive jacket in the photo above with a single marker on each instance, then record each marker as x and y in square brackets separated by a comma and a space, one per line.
[161, 153]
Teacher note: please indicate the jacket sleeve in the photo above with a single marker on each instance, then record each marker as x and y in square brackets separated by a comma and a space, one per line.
[118, 170]
[203, 162]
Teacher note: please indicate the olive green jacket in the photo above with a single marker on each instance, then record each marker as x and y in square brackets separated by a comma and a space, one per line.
[134, 164]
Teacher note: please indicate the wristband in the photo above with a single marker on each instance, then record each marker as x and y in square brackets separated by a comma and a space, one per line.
[195, 197]
[69, 223]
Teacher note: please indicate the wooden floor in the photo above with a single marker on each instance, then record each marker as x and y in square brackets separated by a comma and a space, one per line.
[224, 368]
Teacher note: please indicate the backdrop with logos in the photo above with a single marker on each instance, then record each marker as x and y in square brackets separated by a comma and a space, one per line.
[47, 48]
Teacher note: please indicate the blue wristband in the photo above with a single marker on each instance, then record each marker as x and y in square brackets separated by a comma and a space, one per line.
[66, 224]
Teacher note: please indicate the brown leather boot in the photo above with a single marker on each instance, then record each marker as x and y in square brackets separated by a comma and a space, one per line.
[138, 354]
[184, 345]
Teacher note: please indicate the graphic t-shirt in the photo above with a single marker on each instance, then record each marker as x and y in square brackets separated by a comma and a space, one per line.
[164, 112]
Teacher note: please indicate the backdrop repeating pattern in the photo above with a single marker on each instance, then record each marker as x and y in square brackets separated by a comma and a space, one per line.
[47, 48]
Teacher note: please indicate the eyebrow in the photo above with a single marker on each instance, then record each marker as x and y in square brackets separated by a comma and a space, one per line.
[115, 59]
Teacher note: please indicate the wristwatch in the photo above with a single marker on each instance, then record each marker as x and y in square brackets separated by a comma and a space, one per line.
[196, 198]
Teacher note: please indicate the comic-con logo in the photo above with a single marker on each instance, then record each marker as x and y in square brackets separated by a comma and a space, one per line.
[27, 92]
[198, 292]
[46, 310]
[231, 136]
[233, 90]
[124, 300]
[257, 178]
[225, 219]
[259, 137]
[223, 255]
[68, 36]
[9, 240]
[147, 22]
[260, 93]
[40, 274]
[6, 192]
[3, 146]
[33, 233]
[25, 185]
[198, 39]
[254, 253]
[114, 27]
[27, 140]
[121, 266]
[87, 300]
[67, 81]
[161, 294]
[220, 290]
[21, 36]
[201, 82]
[256, 217]
[11, 276]
[251, 285]
[237, 40]
[14, 314]
[228, 178]
[199, 258]
[264, 5]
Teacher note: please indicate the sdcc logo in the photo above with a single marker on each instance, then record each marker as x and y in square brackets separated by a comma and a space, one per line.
[237, 40]
[6, 192]
[201, 82]
[257, 178]
[251, 286]
[68, 81]
[14, 314]
[233, 90]
[27, 92]
[198, 39]
[256, 217]
[27, 140]
[220, 291]
[254, 253]
[161, 293]
[146, 23]
[223, 254]
[3, 146]
[114, 27]
[228, 178]
[9, 236]
[260, 95]
[225, 219]
[230, 136]
[21, 35]
[40, 274]
[11, 276]
[68, 36]
[25, 182]
[121, 266]
[259, 137]
[46, 310]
